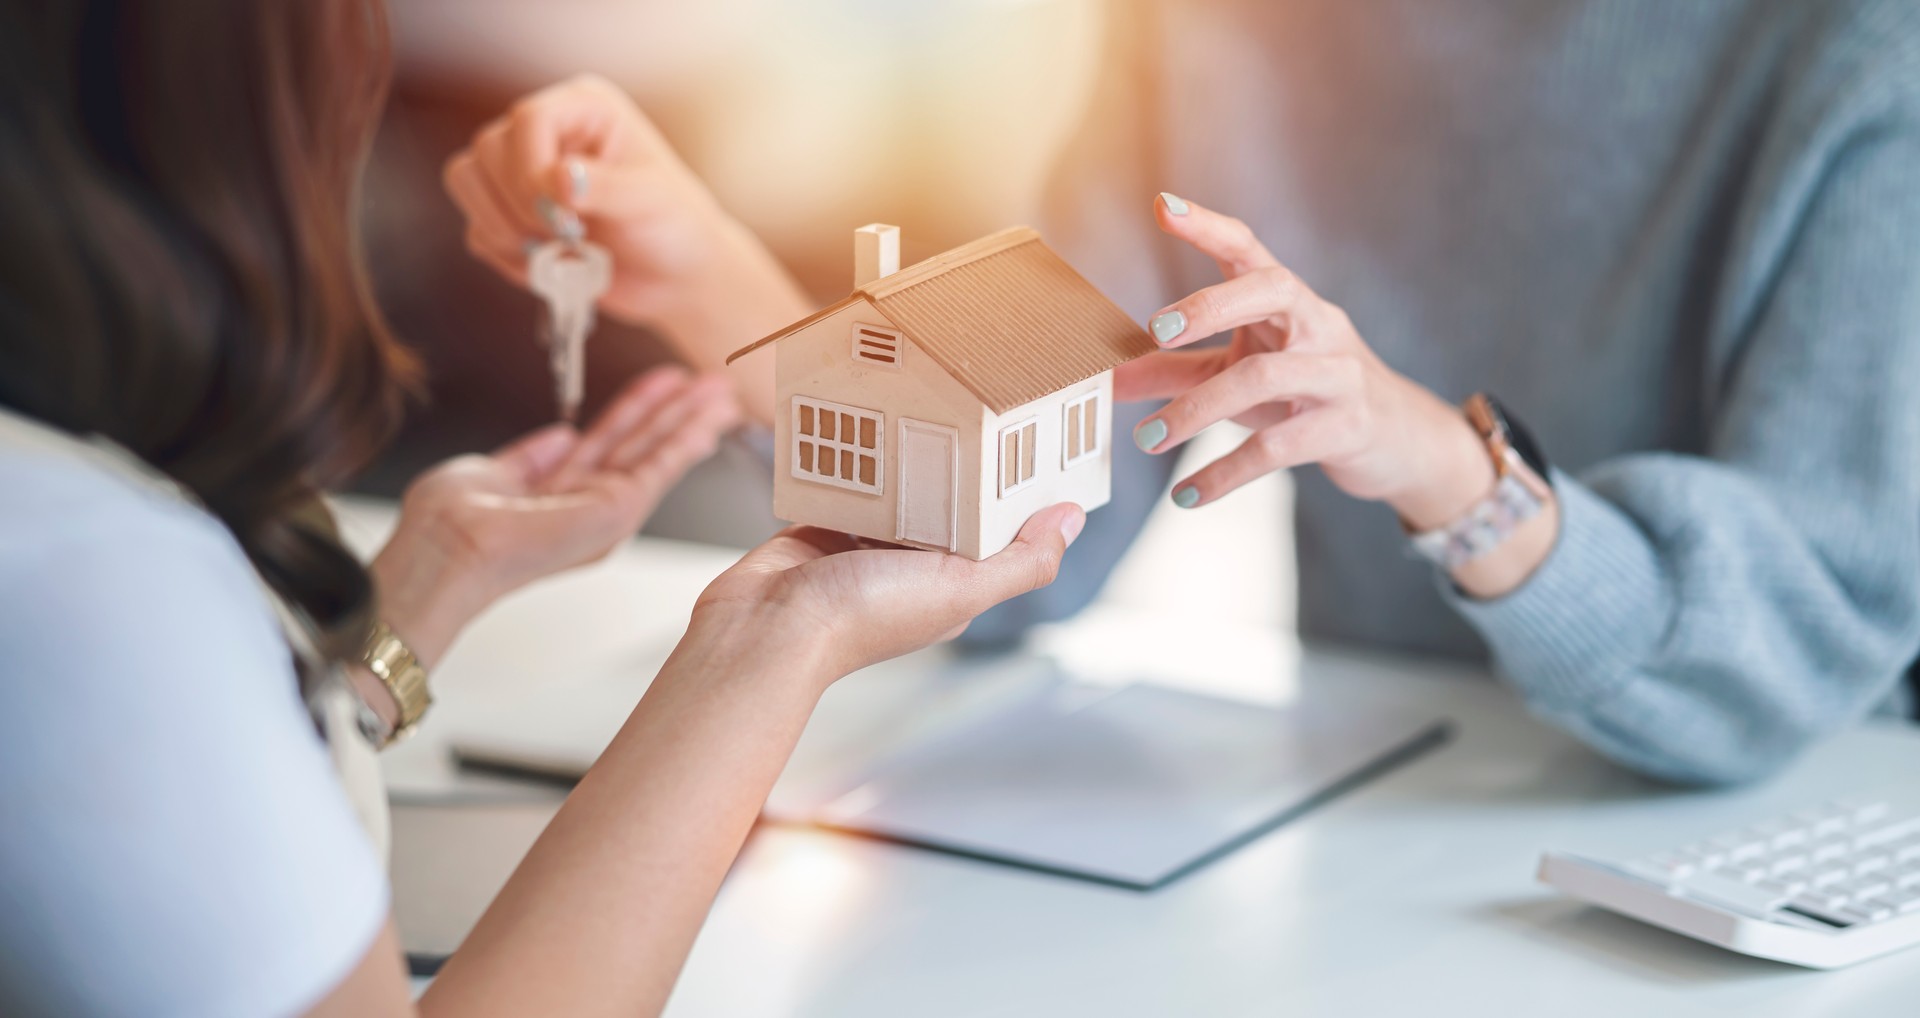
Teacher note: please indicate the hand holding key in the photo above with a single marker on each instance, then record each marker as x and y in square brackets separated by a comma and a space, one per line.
[580, 154]
[570, 276]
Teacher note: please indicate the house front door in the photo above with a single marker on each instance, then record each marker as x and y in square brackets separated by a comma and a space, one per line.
[929, 479]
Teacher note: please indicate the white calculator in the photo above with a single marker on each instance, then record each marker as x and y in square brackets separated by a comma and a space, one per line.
[1824, 887]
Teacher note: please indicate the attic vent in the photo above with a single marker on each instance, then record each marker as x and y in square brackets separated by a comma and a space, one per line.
[877, 346]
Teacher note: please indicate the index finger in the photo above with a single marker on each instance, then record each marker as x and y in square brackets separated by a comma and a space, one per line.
[580, 116]
[1228, 241]
[1167, 374]
[628, 411]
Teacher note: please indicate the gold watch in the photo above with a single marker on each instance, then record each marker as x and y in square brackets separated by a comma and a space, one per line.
[392, 662]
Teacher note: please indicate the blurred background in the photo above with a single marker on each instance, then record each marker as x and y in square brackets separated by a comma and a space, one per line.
[808, 120]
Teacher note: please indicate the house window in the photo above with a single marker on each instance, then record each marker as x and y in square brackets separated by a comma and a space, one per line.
[1016, 456]
[839, 445]
[1080, 429]
[876, 346]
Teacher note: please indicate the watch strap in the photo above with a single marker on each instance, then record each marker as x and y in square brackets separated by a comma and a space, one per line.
[1484, 525]
[392, 662]
[1520, 492]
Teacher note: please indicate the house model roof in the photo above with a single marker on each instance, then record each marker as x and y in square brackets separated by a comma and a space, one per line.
[1004, 315]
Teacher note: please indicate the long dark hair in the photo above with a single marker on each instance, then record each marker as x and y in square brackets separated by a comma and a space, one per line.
[179, 264]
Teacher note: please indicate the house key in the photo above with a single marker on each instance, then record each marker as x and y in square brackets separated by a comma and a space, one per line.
[570, 276]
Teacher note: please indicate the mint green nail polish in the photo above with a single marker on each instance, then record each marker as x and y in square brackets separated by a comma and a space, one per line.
[1173, 203]
[1150, 434]
[1167, 326]
[564, 222]
[577, 180]
[1187, 497]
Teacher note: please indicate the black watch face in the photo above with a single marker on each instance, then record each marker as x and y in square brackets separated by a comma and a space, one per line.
[1522, 440]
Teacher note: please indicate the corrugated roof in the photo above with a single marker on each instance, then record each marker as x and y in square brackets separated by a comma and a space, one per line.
[1004, 315]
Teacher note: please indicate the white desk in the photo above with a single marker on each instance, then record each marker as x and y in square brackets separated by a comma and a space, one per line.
[1413, 895]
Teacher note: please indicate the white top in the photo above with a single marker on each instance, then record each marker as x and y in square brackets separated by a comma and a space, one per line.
[176, 840]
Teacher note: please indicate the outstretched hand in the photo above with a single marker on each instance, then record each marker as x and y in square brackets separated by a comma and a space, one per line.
[1300, 375]
[480, 526]
[861, 603]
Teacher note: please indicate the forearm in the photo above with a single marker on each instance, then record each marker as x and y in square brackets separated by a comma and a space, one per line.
[426, 591]
[1452, 471]
[1688, 628]
[600, 916]
[745, 295]
[427, 587]
[1705, 617]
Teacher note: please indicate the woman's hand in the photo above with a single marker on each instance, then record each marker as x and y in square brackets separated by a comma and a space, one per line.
[1299, 375]
[477, 527]
[855, 603]
[601, 913]
[580, 156]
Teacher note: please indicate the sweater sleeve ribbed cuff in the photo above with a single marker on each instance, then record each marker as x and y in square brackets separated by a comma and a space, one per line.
[1598, 604]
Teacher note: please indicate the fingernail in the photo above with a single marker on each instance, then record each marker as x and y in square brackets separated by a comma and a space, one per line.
[577, 179]
[1173, 203]
[529, 246]
[1167, 326]
[1150, 434]
[1187, 497]
[1071, 526]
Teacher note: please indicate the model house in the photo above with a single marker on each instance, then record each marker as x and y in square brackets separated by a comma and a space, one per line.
[941, 405]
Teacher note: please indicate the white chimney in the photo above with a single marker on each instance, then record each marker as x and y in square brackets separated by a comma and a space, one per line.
[876, 253]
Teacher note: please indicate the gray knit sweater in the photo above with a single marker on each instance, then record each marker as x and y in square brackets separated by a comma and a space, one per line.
[1679, 238]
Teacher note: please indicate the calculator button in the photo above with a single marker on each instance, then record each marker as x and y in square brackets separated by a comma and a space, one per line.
[1790, 838]
[1869, 812]
[1830, 824]
[1867, 912]
[1666, 868]
[1740, 897]
[1870, 887]
[1785, 887]
[1822, 907]
[1830, 850]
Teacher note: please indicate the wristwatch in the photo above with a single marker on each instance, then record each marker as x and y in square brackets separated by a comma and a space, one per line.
[1523, 484]
[392, 662]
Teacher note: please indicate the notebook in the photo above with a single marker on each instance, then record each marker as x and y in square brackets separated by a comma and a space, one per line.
[1133, 787]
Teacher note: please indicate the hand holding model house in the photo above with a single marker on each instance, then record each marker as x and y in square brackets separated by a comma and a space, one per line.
[941, 405]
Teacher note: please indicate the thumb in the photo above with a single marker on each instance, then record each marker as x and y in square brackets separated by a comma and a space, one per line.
[531, 456]
[1033, 559]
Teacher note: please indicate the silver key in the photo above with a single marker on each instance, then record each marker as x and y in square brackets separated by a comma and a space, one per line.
[569, 276]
